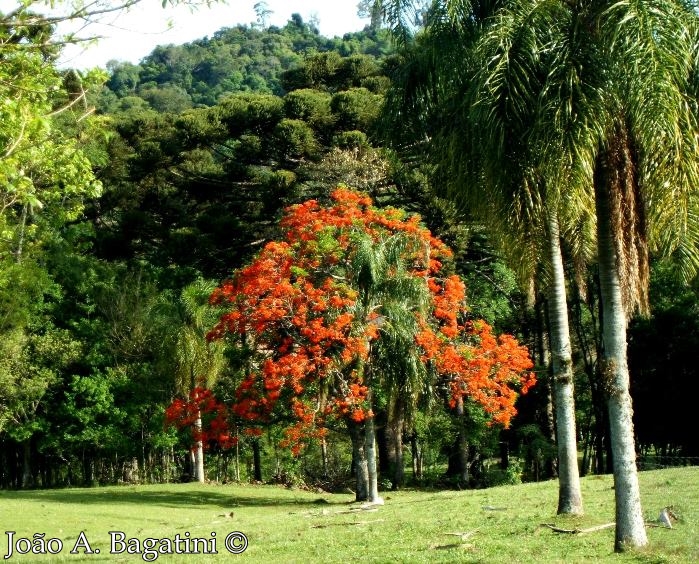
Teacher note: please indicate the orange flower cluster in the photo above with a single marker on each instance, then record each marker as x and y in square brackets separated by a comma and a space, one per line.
[201, 404]
[297, 436]
[352, 404]
[295, 305]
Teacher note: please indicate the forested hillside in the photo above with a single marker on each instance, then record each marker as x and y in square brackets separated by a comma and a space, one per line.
[239, 59]
[409, 310]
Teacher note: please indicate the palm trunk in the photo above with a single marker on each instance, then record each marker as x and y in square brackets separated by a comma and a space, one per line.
[569, 495]
[370, 448]
[609, 181]
[324, 456]
[395, 438]
[371, 461]
[545, 383]
[199, 451]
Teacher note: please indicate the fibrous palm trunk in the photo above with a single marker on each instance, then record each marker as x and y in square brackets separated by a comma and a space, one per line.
[370, 447]
[198, 451]
[371, 460]
[616, 195]
[569, 495]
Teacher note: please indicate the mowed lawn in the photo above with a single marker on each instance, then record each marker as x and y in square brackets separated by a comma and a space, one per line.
[282, 525]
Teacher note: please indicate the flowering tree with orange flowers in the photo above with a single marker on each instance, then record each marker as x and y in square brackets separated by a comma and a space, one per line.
[203, 416]
[349, 290]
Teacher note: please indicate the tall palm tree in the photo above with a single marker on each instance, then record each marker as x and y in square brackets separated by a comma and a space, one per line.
[194, 360]
[606, 88]
[380, 270]
[495, 179]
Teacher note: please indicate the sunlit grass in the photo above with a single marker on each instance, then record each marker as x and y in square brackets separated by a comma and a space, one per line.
[285, 525]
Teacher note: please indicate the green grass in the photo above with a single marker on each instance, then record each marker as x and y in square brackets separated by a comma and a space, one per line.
[289, 526]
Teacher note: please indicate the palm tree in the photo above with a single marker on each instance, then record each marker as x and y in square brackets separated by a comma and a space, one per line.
[496, 181]
[194, 360]
[380, 271]
[604, 89]
[615, 109]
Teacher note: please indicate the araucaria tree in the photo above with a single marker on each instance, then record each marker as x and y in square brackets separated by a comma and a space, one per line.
[348, 293]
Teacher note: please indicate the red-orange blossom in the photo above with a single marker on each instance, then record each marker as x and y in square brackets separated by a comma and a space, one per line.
[294, 306]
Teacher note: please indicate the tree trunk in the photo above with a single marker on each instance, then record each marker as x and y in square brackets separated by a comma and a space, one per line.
[256, 460]
[383, 442]
[416, 453]
[88, 462]
[395, 440]
[371, 458]
[390, 442]
[504, 455]
[22, 227]
[324, 456]
[198, 451]
[359, 461]
[458, 460]
[569, 494]
[27, 463]
[630, 528]
[543, 349]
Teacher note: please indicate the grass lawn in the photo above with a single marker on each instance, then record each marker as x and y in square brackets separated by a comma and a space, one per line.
[287, 526]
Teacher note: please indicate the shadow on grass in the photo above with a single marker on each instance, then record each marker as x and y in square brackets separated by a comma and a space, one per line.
[167, 498]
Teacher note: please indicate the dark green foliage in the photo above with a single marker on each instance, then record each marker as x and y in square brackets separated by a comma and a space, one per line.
[245, 59]
[250, 112]
[311, 106]
[356, 108]
[294, 140]
[662, 359]
[354, 139]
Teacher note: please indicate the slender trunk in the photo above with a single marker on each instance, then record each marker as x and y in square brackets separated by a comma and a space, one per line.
[630, 528]
[199, 451]
[371, 460]
[383, 442]
[191, 466]
[27, 463]
[20, 242]
[504, 455]
[569, 494]
[237, 455]
[371, 457]
[324, 456]
[461, 454]
[359, 462]
[395, 432]
[256, 460]
[416, 453]
[543, 348]
[545, 362]
[368, 457]
[588, 338]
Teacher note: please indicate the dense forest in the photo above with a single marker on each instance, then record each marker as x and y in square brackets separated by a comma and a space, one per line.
[129, 197]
